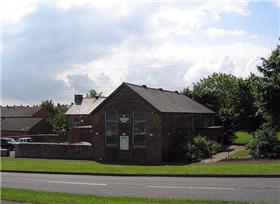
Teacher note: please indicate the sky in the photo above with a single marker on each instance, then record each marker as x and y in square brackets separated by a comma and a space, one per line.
[55, 49]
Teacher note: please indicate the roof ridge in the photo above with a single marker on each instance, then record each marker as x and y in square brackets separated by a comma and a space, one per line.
[158, 89]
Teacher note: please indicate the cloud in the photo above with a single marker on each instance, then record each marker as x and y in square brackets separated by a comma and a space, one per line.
[53, 50]
[217, 32]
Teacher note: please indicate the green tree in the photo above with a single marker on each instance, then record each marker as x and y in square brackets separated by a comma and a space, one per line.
[58, 121]
[49, 105]
[243, 105]
[93, 93]
[268, 88]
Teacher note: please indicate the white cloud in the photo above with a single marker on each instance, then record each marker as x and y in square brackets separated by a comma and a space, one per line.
[12, 11]
[217, 32]
[72, 46]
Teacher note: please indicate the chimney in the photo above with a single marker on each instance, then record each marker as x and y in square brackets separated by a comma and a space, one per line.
[144, 86]
[160, 89]
[78, 99]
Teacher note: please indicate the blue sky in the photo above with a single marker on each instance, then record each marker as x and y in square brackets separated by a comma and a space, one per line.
[54, 49]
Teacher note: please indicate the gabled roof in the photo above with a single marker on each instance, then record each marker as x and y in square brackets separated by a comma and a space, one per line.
[19, 111]
[163, 100]
[86, 107]
[19, 124]
[169, 101]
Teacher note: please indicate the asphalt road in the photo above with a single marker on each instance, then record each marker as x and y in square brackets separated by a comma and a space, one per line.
[245, 189]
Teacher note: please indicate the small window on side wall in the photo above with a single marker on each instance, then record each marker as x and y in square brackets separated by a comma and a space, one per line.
[76, 122]
[139, 128]
[111, 121]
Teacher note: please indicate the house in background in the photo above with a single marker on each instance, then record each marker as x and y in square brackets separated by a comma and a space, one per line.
[78, 121]
[24, 120]
[140, 124]
[24, 126]
[25, 112]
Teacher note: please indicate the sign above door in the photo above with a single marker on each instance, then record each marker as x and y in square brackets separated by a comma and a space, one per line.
[124, 118]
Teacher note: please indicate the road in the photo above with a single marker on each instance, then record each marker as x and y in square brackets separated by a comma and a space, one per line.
[245, 189]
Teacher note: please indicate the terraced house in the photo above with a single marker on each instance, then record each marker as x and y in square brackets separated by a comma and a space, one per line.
[24, 120]
[140, 124]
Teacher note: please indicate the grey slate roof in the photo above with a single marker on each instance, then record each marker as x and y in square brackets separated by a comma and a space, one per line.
[168, 101]
[86, 107]
[19, 124]
[19, 111]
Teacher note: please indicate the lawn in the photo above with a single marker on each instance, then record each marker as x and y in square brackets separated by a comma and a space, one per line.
[242, 138]
[40, 197]
[269, 167]
[241, 154]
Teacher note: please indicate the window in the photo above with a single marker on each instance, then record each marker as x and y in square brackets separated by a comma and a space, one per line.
[111, 128]
[76, 122]
[139, 128]
[84, 136]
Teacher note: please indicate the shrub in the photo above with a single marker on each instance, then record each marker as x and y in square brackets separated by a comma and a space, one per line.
[193, 150]
[206, 147]
[265, 143]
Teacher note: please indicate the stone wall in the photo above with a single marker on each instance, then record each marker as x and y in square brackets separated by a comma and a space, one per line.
[54, 151]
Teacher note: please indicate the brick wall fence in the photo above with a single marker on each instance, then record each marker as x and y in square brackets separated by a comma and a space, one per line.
[61, 137]
[54, 151]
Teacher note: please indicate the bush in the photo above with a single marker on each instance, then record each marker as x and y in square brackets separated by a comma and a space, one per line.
[206, 147]
[265, 143]
[193, 150]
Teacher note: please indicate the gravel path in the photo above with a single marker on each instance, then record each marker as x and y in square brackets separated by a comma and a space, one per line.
[223, 155]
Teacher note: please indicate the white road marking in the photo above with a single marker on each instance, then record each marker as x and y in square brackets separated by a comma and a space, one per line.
[192, 187]
[79, 183]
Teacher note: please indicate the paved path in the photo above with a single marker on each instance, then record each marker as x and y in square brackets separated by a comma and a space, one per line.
[245, 189]
[223, 155]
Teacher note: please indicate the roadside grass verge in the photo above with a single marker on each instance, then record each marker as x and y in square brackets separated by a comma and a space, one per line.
[241, 154]
[258, 167]
[242, 138]
[41, 197]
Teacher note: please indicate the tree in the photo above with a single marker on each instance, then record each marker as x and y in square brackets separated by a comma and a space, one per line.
[268, 88]
[58, 121]
[49, 105]
[93, 93]
[232, 98]
[243, 105]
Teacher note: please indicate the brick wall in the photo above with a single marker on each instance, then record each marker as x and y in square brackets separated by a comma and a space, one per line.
[78, 134]
[53, 151]
[49, 138]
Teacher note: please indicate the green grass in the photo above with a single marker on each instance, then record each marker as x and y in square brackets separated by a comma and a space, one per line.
[269, 167]
[242, 138]
[241, 154]
[40, 197]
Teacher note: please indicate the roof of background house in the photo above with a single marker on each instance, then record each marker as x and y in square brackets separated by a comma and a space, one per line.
[86, 107]
[19, 111]
[169, 101]
[19, 124]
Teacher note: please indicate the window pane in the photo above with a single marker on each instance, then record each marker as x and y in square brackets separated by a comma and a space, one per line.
[139, 139]
[139, 115]
[111, 116]
[112, 140]
[139, 127]
[111, 128]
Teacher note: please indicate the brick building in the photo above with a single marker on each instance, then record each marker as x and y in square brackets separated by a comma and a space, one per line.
[140, 124]
[78, 122]
[24, 120]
